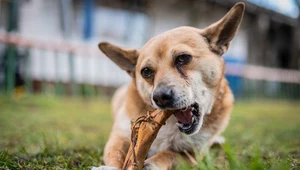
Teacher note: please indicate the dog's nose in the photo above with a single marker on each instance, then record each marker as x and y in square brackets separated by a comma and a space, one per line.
[163, 97]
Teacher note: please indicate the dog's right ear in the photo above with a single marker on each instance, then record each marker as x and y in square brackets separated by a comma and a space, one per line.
[125, 58]
[222, 32]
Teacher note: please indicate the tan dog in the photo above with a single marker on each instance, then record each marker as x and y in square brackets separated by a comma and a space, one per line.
[183, 70]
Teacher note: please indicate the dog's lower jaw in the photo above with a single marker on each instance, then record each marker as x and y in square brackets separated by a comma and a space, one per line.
[198, 128]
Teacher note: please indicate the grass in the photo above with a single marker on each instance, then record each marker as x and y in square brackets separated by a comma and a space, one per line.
[45, 132]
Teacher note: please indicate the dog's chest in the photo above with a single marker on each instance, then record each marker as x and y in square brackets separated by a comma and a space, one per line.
[169, 137]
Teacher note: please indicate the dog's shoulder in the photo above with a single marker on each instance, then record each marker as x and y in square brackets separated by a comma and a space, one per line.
[118, 99]
[126, 106]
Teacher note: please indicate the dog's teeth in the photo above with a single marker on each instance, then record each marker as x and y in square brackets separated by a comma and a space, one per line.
[193, 119]
[187, 127]
[179, 125]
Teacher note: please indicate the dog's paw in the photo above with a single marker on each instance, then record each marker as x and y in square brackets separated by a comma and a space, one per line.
[150, 166]
[219, 140]
[104, 168]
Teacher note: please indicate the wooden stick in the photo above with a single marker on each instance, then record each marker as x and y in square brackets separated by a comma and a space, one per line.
[144, 131]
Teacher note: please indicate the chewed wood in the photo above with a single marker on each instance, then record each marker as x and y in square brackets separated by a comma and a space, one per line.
[144, 131]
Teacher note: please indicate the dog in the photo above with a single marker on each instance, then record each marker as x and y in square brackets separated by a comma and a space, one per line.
[180, 70]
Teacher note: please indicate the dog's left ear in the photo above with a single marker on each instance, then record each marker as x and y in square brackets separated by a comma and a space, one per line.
[222, 32]
[125, 58]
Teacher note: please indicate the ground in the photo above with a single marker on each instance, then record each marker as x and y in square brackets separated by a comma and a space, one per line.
[47, 132]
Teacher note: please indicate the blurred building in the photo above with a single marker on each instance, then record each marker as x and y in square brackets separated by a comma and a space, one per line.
[269, 34]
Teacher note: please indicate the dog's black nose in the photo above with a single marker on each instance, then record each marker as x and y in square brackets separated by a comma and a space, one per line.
[163, 97]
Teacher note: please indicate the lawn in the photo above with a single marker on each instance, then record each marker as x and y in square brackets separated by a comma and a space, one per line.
[46, 132]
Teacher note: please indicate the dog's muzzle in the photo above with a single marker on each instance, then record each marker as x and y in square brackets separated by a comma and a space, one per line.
[163, 97]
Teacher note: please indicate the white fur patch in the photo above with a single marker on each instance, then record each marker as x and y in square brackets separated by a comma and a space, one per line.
[219, 140]
[123, 123]
[169, 137]
[104, 168]
[201, 94]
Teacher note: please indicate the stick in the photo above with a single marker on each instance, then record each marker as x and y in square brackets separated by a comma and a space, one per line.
[144, 131]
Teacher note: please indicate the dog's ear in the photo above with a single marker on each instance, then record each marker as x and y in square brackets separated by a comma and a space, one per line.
[222, 32]
[125, 58]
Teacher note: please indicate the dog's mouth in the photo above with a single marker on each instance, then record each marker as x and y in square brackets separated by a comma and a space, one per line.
[188, 118]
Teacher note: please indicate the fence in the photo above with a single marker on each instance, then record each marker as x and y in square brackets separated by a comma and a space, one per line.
[60, 67]
[249, 81]
[66, 68]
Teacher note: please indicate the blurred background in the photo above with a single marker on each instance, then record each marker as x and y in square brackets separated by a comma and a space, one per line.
[51, 46]
[55, 84]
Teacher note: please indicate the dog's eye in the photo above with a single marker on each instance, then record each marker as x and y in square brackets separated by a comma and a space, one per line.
[183, 59]
[147, 73]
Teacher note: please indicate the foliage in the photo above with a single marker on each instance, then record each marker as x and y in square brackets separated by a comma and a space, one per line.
[46, 132]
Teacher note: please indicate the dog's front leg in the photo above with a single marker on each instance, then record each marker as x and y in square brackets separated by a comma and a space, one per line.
[165, 160]
[116, 150]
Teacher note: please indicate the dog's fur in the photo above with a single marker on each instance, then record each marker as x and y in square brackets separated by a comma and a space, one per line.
[200, 80]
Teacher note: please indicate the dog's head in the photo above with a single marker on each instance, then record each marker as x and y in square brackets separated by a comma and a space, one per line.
[181, 68]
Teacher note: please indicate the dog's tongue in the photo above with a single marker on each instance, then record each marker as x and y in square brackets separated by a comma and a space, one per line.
[184, 116]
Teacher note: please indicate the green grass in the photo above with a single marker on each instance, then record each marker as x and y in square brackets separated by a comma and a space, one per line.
[44, 132]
